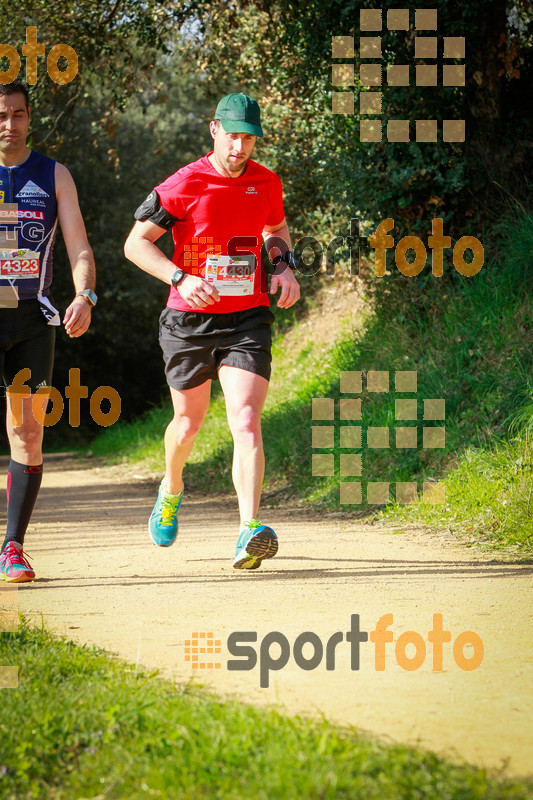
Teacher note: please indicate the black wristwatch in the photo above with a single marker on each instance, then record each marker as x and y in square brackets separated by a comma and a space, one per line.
[177, 278]
[288, 258]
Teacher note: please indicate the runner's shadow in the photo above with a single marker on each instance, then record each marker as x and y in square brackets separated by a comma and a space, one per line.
[269, 574]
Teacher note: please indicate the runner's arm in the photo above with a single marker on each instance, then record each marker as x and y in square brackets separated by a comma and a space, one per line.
[78, 315]
[275, 237]
[140, 248]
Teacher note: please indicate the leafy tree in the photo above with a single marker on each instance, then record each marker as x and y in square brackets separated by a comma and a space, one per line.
[115, 41]
[281, 50]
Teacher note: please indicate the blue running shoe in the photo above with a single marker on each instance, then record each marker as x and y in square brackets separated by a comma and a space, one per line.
[163, 524]
[256, 542]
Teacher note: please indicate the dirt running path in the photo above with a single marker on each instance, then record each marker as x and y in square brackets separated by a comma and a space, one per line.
[101, 580]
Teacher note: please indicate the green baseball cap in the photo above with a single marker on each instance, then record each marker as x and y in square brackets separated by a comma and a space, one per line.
[239, 113]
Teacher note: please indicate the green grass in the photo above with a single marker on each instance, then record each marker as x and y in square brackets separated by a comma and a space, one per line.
[470, 340]
[489, 495]
[81, 725]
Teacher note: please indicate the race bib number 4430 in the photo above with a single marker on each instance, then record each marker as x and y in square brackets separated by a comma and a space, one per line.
[231, 275]
[23, 265]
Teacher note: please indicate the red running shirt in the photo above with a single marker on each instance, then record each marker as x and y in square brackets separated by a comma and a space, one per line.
[212, 209]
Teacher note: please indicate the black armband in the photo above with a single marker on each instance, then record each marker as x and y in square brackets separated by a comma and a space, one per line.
[153, 211]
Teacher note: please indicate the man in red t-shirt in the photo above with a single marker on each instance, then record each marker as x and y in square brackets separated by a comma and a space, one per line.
[217, 320]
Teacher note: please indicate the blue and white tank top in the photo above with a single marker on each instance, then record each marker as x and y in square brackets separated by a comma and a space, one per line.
[27, 232]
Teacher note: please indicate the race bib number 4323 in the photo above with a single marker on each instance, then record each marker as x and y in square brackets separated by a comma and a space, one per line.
[23, 265]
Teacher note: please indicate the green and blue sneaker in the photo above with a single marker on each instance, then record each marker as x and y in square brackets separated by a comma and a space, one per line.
[256, 542]
[163, 524]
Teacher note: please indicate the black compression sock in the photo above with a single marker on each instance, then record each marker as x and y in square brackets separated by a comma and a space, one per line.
[23, 483]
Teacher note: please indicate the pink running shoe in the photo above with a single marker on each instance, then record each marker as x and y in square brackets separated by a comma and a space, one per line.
[14, 565]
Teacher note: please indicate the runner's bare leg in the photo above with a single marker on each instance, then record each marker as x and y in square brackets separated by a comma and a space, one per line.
[190, 408]
[245, 394]
[24, 432]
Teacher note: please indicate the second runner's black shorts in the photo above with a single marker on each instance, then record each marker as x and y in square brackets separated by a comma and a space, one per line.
[26, 340]
[196, 344]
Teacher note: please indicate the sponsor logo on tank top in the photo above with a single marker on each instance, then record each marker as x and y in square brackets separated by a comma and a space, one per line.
[251, 190]
[32, 190]
[14, 213]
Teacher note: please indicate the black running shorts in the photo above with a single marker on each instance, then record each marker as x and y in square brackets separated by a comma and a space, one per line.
[196, 344]
[26, 340]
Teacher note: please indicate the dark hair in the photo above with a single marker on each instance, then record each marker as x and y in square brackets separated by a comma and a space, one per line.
[16, 87]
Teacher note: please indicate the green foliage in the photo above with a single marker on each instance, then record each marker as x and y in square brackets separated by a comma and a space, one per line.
[489, 495]
[81, 724]
[115, 43]
[281, 51]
